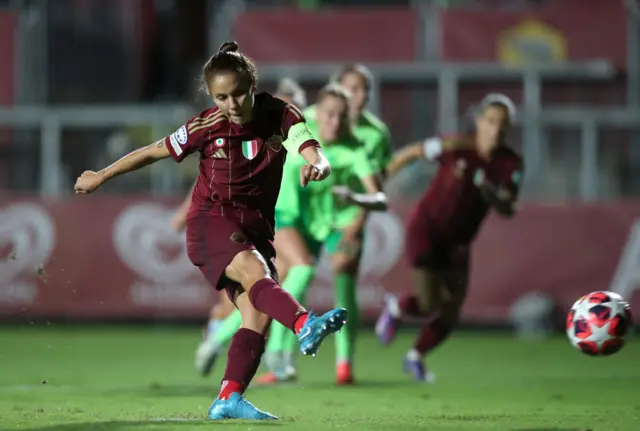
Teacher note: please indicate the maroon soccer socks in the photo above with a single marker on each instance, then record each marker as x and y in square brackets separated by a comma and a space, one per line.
[432, 332]
[430, 336]
[409, 305]
[268, 297]
[243, 360]
[247, 346]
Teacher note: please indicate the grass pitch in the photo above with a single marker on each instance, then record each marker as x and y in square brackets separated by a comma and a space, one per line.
[142, 378]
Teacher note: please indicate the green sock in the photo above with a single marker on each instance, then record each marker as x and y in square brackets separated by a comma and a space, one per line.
[297, 283]
[346, 289]
[229, 327]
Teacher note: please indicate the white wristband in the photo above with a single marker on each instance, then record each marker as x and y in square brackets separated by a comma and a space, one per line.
[432, 148]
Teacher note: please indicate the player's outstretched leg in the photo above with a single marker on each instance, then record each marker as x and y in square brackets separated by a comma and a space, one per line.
[268, 297]
[278, 356]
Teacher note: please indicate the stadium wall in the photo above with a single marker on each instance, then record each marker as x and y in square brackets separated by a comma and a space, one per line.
[116, 258]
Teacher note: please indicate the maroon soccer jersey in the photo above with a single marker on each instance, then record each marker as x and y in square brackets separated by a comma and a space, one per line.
[453, 202]
[240, 166]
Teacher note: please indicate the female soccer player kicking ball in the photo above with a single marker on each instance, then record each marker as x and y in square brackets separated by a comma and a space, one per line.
[290, 92]
[305, 217]
[478, 172]
[346, 241]
[230, 222]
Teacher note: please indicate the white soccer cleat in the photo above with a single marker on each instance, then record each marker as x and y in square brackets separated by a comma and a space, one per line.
[206, 355]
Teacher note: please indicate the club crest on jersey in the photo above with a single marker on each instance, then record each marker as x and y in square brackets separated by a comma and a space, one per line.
[250, 149]
[275, 143]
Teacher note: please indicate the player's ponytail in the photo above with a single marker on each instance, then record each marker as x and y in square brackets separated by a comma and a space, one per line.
[229, 46]
[229, 59]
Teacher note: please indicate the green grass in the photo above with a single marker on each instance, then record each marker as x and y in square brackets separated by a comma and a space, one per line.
[62, 379]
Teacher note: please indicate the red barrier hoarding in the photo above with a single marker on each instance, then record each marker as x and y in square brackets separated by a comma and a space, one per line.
[7, 42]
[108, 257]
[565, 30]
[290, 35]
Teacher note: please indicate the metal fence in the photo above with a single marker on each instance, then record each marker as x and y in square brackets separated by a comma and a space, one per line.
[586, 173]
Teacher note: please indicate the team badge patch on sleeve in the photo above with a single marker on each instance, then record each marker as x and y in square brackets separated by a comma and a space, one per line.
[178, 138]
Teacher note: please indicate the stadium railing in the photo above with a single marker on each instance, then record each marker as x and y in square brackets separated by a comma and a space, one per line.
[534, 119]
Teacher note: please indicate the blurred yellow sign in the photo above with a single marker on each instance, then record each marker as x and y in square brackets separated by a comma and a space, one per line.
[531, 42]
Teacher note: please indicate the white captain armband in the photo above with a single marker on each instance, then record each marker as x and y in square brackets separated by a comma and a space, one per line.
[432, 148]
[298, 134]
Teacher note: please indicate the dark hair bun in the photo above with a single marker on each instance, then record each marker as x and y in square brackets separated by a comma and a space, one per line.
[230, 46]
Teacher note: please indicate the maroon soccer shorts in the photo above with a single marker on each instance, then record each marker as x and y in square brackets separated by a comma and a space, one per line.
[213, 242]
[430, 247]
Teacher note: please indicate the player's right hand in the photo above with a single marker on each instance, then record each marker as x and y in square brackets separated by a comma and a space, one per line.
[311, 173]
[88, 182]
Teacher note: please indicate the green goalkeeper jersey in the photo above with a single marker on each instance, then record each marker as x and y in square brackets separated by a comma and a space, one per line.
[374, 135]
[314, 209]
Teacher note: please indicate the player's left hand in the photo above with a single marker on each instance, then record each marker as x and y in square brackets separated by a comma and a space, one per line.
[343, 193]
[88, 182]
[310, 173]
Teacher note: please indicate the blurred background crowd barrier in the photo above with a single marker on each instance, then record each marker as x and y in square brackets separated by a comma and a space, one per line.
[82, 82]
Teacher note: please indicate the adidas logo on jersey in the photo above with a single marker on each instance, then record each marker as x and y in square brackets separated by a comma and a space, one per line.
[219, 154]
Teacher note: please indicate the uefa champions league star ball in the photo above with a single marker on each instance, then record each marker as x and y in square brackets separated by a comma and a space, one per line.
[598, 322]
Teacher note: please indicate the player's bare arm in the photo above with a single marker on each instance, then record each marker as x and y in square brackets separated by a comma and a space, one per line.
[374, 200]
[90, 181]
[403, 157]
[317, 167]
[429, 149]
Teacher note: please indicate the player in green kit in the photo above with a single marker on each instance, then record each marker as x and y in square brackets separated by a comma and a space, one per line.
[345, 242]
[306, 216]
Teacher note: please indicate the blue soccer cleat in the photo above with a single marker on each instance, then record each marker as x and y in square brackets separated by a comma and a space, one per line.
[236, 407]
[318, 327]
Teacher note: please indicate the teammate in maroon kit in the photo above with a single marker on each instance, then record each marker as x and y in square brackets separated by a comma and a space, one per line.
[478, 172]
[241, 144]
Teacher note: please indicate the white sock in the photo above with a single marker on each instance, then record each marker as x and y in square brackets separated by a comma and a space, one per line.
[212, 327]
[273, 361]
[414, 355]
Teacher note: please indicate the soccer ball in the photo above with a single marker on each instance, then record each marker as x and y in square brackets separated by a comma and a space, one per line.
[598, 322]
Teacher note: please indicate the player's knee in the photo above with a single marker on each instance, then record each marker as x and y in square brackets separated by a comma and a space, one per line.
[250, 267]
[429, 300]
[282, 266]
